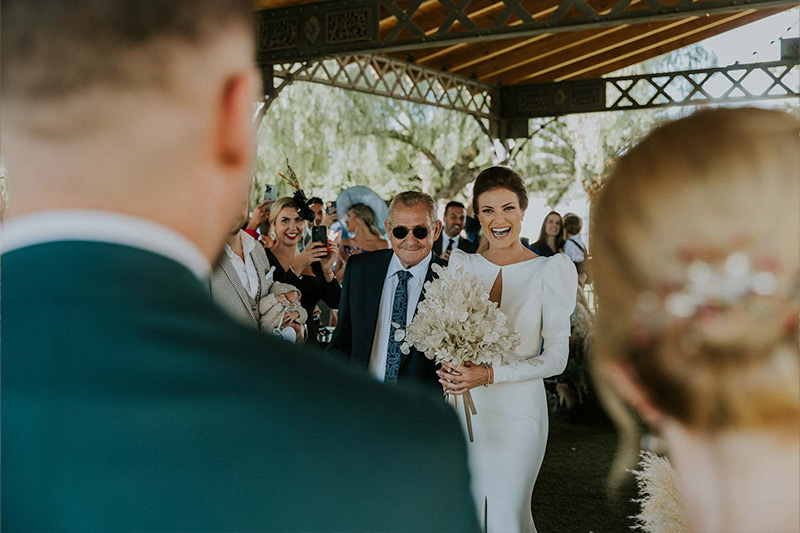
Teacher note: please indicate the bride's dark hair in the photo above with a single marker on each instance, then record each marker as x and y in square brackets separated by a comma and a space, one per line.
[499, 178]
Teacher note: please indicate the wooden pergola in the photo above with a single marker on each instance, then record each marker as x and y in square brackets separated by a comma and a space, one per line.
[505, 61]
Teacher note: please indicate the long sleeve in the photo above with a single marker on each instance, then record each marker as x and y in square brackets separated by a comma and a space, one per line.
[559, 289]
[331, 291]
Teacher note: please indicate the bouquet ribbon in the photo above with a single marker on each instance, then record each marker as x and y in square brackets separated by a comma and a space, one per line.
[469, 409]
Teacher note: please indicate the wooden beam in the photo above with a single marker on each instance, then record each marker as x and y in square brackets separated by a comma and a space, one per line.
[607, 63]
[463, 59]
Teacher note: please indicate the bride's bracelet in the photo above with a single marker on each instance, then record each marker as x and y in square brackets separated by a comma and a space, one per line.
[490, 370]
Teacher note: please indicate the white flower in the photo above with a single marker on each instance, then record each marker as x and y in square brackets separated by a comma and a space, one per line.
[405, 348]
[399, 335]
[457, 322]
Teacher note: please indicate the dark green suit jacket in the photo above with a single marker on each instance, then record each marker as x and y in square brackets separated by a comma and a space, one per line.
[131, 402]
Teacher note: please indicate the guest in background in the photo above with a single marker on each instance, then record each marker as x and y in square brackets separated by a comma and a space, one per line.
[574, 246]
[366, 237]
[455, 216]
[317, 207]
[259, 217]
[551, 236]
[242, 283]
[322, 315]
[383, 288]
[698, 320]
[311, 270]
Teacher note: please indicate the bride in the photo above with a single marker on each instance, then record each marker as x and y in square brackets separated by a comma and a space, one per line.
[537, 294]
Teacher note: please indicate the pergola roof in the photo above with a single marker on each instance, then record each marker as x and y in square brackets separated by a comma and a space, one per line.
[488, 55]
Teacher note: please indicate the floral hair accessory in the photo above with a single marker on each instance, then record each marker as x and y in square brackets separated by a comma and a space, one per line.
[299, 197]
[716, 294]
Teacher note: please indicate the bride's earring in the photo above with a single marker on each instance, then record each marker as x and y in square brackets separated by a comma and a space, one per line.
[272, 234]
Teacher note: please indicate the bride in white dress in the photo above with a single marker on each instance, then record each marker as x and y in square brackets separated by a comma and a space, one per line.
[537, 294]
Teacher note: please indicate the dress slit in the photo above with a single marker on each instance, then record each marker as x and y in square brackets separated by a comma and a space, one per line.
[496, 294]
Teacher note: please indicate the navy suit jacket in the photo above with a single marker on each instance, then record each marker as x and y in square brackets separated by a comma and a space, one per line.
[358, 317]
[463, 244]
[130, 402]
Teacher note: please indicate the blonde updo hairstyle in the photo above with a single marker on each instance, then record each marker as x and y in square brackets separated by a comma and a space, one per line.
[715, 178]
[279, 205]
[367, 216]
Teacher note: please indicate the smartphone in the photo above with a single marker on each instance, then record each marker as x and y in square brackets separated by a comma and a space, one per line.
[270, 192]
[330, 208]
[319, 234]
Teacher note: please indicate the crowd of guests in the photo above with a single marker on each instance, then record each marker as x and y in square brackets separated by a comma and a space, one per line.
[132, 401]
[315, 269]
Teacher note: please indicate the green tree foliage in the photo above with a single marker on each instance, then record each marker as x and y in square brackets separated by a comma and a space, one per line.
[335, 139]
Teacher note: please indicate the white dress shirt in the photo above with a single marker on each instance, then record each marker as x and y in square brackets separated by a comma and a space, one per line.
[574, 248]
[380, 344]
[102, 226]
[446, 241]
[245, 269]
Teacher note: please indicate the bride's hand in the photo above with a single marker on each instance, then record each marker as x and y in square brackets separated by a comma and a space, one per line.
[460, 379]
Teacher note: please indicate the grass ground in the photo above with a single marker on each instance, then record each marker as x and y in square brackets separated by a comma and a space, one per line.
[570, 492]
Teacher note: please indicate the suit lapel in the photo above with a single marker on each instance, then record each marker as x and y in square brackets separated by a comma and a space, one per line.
[262, 267]
[227, 267]
[372, 291]
[437, 244]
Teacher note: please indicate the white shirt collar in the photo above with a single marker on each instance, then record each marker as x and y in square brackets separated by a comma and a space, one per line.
[418, 271]
[248, 244]
[102, 226]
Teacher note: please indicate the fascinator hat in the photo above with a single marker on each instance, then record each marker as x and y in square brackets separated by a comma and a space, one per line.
[299, 197]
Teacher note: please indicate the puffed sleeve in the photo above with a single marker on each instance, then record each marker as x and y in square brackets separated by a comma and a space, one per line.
[559, 289]
[457, 258]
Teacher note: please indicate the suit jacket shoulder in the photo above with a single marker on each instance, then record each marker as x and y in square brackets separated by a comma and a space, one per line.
[213, 412]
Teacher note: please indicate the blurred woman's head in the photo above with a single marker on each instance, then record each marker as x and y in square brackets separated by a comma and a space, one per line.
[499, 199]
[697, 287]
[362, 213]
[286, 223]
[552, 232]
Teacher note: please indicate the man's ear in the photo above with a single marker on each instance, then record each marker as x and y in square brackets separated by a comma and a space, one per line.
[624, 380]
[387, 226]
[437, 229]
[235, 132]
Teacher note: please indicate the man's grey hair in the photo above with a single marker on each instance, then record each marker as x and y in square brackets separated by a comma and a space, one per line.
[411, 199]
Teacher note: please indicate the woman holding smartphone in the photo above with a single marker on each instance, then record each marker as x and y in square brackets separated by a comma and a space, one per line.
[311, 270]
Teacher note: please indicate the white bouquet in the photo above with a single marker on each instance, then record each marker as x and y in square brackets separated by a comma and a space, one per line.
[456, 322]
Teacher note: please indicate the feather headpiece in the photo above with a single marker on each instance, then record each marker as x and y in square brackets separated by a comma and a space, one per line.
[299, 197]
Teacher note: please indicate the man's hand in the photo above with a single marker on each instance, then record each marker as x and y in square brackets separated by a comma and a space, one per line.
[328, 220]
[260, 214]
[446, 255]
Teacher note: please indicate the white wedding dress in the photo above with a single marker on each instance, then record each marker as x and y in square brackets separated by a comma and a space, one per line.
[510, 429]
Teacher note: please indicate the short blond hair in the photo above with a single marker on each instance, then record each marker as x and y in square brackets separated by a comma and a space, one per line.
[708, 180]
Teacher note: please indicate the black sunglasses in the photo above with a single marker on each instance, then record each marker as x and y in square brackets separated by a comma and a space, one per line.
[400, 232]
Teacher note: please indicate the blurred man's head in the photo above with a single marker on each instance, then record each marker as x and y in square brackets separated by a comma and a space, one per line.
[317, 206]
[143, 108]
[455, 214]
[412, 226]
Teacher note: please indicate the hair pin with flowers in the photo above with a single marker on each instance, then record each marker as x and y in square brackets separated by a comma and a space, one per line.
[719, 290]
[299, 196]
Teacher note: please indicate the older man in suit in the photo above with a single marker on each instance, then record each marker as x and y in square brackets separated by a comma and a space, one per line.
[130, 402]
[382, 288]
[455, 216]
